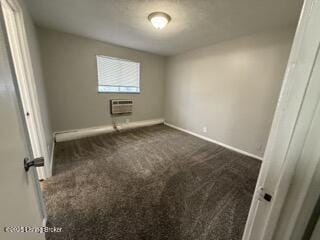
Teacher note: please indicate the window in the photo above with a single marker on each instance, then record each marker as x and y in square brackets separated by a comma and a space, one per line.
[118, 75]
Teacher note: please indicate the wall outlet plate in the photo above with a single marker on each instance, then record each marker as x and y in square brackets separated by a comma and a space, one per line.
[204, 129]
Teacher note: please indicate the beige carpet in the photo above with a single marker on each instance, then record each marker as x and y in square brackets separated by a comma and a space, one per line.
[149, 183]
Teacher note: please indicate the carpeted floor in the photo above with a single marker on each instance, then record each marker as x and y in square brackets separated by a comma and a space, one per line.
[149, 183]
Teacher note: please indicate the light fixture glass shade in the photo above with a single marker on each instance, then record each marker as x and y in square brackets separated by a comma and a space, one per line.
[159, 19]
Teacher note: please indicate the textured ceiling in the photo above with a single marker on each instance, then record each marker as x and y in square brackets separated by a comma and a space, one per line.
[195, 23]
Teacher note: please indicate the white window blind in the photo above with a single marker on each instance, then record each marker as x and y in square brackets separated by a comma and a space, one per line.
[118, 75]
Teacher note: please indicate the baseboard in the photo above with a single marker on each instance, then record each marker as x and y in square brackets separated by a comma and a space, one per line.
[52, 155]
[44, 222]
[214, 141]
[88, 132]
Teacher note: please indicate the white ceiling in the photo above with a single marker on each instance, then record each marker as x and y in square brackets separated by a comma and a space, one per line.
[195, 23]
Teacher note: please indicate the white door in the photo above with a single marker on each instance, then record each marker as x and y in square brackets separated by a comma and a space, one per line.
[19, 190]
[294, 139]
[17, 37]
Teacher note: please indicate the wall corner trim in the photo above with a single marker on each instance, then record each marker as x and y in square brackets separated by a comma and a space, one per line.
[93, 131]
[214, 141]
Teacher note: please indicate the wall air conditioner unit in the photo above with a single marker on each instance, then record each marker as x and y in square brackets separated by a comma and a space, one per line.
[118, 106]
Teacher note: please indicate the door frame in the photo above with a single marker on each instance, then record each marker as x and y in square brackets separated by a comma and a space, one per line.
[17, 36]
[287, 137]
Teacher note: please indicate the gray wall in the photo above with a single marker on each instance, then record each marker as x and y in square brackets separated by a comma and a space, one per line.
[231, 88]
[38, 74]
[71, 79]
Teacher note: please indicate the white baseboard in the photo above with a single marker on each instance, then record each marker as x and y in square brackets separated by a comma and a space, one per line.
[44, 222]
[214, 141]
[88, 132]
[52, 155]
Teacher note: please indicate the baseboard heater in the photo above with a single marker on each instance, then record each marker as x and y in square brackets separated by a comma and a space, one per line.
[93, 131]
[120, 106]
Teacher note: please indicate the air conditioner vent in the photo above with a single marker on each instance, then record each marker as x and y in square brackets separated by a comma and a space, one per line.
[119, 106]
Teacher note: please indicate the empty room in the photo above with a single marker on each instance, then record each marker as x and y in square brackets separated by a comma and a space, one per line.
[144, 119]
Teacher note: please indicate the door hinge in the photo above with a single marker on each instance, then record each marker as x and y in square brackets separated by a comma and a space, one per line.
[263, 195]
[267, 197]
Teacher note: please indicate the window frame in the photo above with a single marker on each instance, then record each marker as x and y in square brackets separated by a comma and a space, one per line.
[111, 92]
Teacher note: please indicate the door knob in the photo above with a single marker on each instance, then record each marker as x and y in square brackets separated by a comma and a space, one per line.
[37, 162]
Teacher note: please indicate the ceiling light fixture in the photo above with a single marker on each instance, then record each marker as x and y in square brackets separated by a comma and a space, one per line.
[159, 19]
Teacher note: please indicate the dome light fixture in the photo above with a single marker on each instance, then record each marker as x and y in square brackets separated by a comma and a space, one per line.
[159, 19]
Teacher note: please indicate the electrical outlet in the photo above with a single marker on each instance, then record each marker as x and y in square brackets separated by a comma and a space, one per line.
[127, 121]
[204, 129]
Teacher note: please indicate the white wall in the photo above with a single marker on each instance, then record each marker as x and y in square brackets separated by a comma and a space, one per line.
[231, 88]
[71, 79]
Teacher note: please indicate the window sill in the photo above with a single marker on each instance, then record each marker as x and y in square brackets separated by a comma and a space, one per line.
[120, 92]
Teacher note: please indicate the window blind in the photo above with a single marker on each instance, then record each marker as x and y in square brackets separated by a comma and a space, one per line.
[118, 75]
